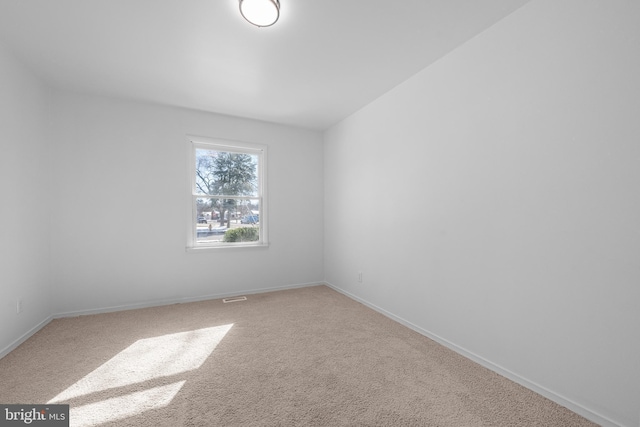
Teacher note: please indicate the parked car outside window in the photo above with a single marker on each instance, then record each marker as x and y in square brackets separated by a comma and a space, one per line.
[250, 219]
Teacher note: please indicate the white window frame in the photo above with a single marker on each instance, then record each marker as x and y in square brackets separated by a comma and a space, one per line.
[225, 145]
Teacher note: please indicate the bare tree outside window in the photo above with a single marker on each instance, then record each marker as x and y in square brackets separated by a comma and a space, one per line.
[220, 173]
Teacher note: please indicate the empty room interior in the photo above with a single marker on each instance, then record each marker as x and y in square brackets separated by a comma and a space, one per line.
[430, 182]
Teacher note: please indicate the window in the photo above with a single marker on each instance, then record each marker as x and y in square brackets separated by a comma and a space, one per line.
[227, 203]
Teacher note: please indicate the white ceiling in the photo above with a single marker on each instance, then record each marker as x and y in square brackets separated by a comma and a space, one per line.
[322, 61]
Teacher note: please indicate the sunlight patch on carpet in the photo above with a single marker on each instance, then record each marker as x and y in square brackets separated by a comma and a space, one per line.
[146, 359]
[118, 408]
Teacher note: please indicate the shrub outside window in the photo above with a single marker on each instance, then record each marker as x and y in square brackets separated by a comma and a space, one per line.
[227, 194]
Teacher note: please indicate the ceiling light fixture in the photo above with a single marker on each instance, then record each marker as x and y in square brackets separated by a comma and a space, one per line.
[261, 13]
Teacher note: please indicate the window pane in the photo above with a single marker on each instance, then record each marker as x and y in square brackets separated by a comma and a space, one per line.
[222, 173]
[218, 218]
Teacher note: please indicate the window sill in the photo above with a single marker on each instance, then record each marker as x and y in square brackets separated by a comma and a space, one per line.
[203, 249]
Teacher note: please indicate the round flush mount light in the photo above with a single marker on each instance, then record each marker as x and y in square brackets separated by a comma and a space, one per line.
[261, 13]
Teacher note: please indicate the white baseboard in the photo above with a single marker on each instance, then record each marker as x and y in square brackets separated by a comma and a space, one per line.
[531, 385]
[155, 303]
[161, 302]
[8, 349]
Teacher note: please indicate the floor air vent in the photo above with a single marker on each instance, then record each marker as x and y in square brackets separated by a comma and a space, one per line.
[234, 299]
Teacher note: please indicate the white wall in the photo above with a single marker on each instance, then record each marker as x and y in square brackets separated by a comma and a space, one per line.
[24, 189]
[492, 201]
[118, 229]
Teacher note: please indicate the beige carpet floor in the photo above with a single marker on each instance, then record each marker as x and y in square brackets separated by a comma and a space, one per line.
[301, 357]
